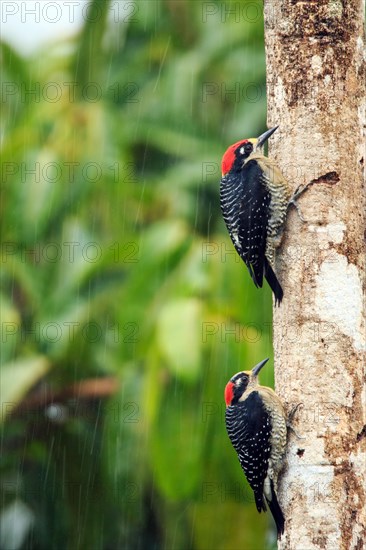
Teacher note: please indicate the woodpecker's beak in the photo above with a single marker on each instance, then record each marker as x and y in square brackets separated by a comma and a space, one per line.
[263, 138]
[257, 368]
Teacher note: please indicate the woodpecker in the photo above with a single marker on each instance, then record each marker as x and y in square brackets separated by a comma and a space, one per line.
[254, 197]
[257, 427]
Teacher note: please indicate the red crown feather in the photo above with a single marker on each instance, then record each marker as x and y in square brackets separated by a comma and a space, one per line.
[229, 156]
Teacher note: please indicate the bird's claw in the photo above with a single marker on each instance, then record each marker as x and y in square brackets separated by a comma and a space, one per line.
[290, 417]
[298, 192]
[295, 432]
[294, 203]
[293, 411]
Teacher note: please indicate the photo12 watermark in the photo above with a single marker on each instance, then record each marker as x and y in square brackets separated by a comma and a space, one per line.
[66, 408]
[237, 12]
[71, 252]
[68, 91]
[51, 332]
[321, 413]
[234, 92]
[29, 11]
[224, 492]
[68, 172]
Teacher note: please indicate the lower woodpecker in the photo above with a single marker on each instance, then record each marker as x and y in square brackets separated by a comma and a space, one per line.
[257, 427]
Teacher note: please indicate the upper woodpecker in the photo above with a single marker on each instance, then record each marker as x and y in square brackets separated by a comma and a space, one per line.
[256, 425]
[254, 197]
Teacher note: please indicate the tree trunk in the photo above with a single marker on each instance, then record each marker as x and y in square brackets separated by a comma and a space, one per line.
[315, 73]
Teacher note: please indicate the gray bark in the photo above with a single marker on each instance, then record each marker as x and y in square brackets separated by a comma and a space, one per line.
[316, 93]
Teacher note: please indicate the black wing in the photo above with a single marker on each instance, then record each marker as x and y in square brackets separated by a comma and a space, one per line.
[253, 215]
[248, 426]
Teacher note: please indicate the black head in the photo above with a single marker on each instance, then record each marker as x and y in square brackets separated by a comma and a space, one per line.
[237, 153]
[236, 387]
[238, 383]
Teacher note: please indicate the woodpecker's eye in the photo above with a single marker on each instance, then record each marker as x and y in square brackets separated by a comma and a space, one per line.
[240, 382]
[246, 149]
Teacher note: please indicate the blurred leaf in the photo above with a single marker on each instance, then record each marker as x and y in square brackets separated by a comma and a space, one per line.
[177, 444]
[89, 56]
[17, 378]
[15, 522]
[223, 522]
[179, 337]
[10, 328]
[162, 239]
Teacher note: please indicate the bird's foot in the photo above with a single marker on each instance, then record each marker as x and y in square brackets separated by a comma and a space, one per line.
[298, 192]
[290, 418]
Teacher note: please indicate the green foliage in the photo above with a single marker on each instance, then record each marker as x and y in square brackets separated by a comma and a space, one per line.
[116, 264]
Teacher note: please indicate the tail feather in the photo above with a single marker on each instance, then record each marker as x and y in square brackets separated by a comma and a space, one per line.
[276, 512]
[256, 275]
[260, 502]
[273, 282]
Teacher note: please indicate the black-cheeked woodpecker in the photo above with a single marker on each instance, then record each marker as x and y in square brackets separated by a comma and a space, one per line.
[254, 197]
[257, 427]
